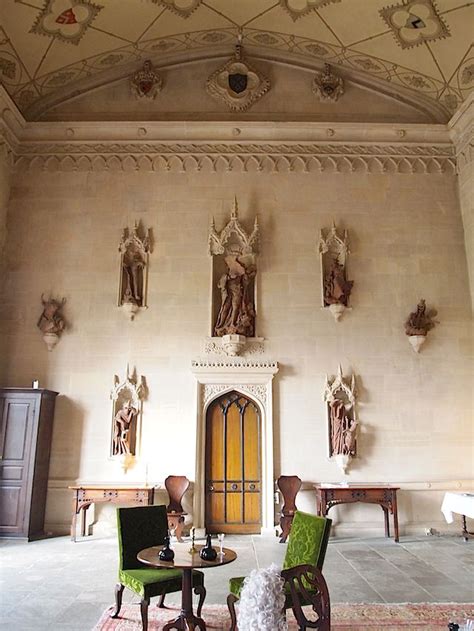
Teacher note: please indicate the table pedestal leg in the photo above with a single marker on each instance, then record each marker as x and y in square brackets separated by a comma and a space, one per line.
[387, 521]
[186, 621]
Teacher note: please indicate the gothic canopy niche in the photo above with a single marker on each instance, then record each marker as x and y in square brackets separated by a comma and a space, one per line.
[127, 402]
[234, 269]
[134, 251]
[237, 83]
[340, 399]
[336, 289]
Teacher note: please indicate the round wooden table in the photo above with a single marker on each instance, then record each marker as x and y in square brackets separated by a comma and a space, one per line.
[186, 561]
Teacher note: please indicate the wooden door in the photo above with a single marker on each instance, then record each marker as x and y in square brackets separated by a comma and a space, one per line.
[233, 465]
[16, 429]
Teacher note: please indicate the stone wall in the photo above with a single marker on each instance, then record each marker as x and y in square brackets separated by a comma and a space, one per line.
[407, 242]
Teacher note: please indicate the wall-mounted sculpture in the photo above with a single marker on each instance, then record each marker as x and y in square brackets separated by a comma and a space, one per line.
[127, 397]
[418, 324]
[336, 289]
[237, 83]
[233, 276]
[340, 399]
[146, 83]
[327, 85]
[134, 249]
[51, 322]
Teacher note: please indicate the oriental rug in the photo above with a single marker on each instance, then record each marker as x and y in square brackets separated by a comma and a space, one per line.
[344, 617]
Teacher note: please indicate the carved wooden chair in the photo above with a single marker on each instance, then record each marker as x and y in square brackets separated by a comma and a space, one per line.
[138, 528]
[307, 545]
[176, 485]
[305, 585]
[289, 486]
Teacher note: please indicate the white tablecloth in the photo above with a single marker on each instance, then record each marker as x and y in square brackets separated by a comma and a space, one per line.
[462, 503]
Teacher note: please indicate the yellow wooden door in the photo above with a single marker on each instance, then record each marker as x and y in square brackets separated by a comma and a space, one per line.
[233, 466]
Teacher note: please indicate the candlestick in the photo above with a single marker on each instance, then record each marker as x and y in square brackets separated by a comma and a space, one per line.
[193, 548]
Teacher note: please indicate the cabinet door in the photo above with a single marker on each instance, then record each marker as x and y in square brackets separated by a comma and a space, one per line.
[16, 429]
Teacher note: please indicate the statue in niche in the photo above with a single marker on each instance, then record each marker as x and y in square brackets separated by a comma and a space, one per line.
[237, 312]
[337, 288]
[343, 429]
[419, 322]
[122, 427]
[134, 249]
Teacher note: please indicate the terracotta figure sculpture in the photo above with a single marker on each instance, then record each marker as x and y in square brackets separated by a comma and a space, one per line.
[122, 425]
[336, 288]
[237, 313]
[51, 321]
[343, 429]
[419, 322]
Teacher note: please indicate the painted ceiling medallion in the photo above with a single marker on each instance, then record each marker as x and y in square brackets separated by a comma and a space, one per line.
[415, 22]
[298, 8]
[66, 20]
[237, 83]
[146, 83]
[327, 85]
[183, 8]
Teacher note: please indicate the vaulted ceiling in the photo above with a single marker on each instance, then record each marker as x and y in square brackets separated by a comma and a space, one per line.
[57, 47]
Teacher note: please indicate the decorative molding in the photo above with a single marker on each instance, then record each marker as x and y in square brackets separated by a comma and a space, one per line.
[146, 83]
[212, 390]
[415, 22]
[267, 157]
[177, 7]
[238, 84]
[65, 20]
[209, 364]
[253, 346]
[298, 9]
[328, 86]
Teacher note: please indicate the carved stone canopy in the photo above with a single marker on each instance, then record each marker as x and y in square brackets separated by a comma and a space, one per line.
[327, 85]
[333, 244]
[131, 390]
[237, 83]
[233, 234]
[134, 248]
[146, 83]
[336, 288]
[339, 385]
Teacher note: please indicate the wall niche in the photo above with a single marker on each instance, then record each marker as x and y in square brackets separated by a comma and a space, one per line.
[234, 287]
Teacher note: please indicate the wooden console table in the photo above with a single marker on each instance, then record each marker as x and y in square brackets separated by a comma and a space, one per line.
[84, 496]
[328, 495]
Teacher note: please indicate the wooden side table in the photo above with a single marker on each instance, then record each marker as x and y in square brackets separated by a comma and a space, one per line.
[84, 496]
[186, 561]
[329, 495]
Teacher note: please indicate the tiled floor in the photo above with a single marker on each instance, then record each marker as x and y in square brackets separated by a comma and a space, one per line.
[55, 584]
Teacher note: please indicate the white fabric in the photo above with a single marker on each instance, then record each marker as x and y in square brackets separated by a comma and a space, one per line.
[462, 503]
[261, 601]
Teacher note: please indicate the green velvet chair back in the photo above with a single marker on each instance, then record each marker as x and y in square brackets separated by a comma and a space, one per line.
[308, 541]
[138, 528]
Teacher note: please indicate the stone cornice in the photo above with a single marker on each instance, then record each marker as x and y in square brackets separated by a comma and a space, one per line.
[225, 146]
[461, 130]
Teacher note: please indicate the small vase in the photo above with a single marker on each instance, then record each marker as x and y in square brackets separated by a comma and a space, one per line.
[208, 553]
[166, 553]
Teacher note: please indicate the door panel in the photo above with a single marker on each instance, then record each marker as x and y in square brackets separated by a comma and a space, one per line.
[233, 500]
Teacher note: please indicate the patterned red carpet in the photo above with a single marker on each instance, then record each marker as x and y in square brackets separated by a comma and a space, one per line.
[429, 616]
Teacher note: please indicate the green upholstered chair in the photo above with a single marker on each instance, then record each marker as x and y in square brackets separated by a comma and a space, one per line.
[139, 528]
[307, 545]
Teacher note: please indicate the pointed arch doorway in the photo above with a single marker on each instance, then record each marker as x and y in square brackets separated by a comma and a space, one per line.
[253, 379]
[233, 481]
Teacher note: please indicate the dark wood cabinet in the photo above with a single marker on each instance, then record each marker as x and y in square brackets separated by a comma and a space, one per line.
[26, 425]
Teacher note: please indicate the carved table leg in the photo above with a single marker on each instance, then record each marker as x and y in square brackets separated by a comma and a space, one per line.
[186, 621]
[83, 521]
[395, 515]
[465, 531]
[73, 526]
[387, 521]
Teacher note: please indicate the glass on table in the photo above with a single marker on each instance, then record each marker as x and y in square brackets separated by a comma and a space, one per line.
[220, 538]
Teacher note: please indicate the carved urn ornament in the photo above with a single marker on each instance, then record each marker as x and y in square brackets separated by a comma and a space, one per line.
[146, 83]
[234, 272]
[327, 85]
[336, 289]
[237, 83]
[134, 251]
[51, 322]
[418, 324]
[340, 398]
[127, 397]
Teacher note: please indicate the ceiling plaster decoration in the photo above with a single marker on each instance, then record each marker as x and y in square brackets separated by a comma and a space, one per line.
[328, 86]
[238, 84]
[146, 83]
[66, 20]
[183, 8]
[298, 8]
[415, 22]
